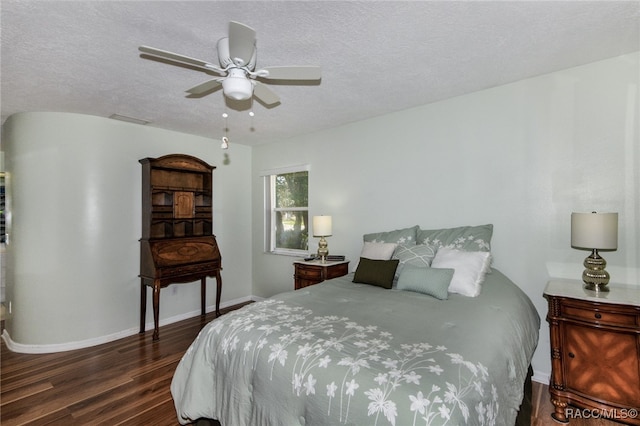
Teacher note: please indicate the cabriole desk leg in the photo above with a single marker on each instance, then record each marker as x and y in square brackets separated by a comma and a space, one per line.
[218, 292]
[156, 309]
[203, 295]
[143, 305]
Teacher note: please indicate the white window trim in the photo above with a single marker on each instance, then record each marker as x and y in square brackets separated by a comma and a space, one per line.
[288, 169]
[269, 219]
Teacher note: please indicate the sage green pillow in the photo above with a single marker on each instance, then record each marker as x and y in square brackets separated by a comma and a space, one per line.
[398, 236]
[431, 281]
[419, 255]
[467, 238]
[376, 272]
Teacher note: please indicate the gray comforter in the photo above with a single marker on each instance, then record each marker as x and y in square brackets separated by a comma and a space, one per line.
[340, 353]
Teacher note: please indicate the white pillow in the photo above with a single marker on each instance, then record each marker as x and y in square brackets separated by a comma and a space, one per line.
[378, 251]
[469, 268]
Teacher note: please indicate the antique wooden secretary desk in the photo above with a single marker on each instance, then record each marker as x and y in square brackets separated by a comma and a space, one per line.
[177, 244]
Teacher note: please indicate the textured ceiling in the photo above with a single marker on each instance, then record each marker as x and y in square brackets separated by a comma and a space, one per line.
[376, 56]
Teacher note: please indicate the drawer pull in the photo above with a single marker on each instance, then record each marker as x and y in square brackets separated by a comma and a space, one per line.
[598, 315]
[572, 355]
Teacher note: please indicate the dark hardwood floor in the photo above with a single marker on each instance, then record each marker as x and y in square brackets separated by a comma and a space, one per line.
[125, 382]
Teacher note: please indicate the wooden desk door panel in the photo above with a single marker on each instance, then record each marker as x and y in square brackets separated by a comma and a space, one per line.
[183, 205]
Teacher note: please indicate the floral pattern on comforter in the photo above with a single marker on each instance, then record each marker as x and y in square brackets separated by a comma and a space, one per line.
[307, 346]
[296, 359]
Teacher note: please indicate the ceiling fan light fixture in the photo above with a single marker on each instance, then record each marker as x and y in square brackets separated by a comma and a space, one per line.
[237, 55]
[237, 86]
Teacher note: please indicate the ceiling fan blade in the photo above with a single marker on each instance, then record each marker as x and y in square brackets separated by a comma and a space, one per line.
[179, 58]
[265, 94]
[223, 52]
[252, 62]
[242, 42]
[172, 56]
[207, 86]
[309, 72]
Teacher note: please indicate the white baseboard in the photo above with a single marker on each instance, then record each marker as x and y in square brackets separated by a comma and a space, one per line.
[69, 346]
[541, 377]
[63, 347]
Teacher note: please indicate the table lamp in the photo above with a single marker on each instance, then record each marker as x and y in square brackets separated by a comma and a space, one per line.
[322, 228]
[595, 231]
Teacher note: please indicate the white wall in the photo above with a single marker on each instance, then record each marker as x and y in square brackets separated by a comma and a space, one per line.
[521, 156]
[74, 193]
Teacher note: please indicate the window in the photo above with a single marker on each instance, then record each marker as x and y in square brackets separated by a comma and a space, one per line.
[287, 212]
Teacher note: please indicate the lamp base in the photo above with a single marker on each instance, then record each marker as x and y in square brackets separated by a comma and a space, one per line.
[594, 276]
[323, 250]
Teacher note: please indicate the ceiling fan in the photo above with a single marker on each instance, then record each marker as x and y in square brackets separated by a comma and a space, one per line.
[239, 78]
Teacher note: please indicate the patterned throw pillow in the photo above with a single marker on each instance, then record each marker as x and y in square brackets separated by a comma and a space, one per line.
[398, 236]
[467, 238]
[420, 255]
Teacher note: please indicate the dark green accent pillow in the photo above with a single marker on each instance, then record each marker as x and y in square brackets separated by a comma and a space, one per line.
[432, 281]
[376, 272]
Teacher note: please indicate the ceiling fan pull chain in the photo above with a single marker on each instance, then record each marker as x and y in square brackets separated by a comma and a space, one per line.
[225, 139]
[251, 115]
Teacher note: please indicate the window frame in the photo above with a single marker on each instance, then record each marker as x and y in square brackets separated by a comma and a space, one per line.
[270, 227]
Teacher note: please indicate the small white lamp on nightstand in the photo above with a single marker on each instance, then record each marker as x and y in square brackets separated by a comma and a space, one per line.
[595, 231]
[322, 228]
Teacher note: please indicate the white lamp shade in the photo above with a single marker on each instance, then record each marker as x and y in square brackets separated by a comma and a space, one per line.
[594, 230]
[321, 226]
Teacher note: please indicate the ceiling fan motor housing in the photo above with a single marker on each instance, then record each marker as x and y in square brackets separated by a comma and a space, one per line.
[237, 86]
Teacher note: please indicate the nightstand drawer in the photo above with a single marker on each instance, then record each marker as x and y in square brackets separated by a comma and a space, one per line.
[315, 272]
[599, 316]
[309, 273]
[337, 271]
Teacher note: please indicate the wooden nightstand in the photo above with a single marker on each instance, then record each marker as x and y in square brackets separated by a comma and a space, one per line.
[595, 351]
[314, 272]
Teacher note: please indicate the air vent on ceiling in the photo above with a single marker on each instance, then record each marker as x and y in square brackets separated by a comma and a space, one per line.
[129, 119]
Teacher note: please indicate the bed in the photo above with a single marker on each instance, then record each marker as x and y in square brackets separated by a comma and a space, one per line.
[356, 353]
